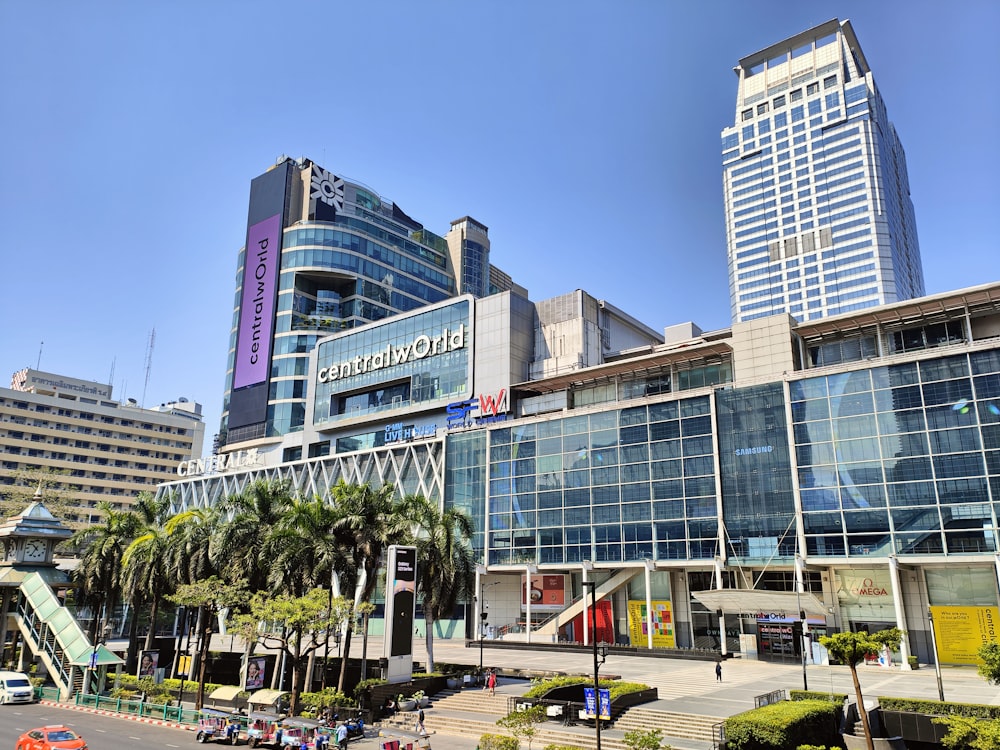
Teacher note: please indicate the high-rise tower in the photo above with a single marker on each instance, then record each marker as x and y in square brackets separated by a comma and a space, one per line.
[818, 213]
[324, 254]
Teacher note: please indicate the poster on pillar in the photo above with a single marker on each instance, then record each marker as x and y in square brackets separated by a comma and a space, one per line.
[960, 631]
[663, 624]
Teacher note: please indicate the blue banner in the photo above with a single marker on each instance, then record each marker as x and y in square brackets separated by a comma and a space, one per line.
[589, 702]
[605, 696]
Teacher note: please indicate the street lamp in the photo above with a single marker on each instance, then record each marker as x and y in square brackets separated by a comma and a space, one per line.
[600, 655]
[482, 622]
[937, 661]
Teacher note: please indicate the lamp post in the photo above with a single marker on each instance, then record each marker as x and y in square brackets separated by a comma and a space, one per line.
[600, 655]
[482, 622]
[937, 662]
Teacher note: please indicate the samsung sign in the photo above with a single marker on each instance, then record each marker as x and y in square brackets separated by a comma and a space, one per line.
[421, 347]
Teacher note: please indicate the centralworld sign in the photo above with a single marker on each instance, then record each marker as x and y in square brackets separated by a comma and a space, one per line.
[421, 347]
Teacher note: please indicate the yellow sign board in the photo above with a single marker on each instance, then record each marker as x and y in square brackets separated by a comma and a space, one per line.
[663, 624]
[960, 631]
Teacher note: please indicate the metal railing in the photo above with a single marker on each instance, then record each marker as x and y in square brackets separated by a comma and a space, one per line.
[138, 708]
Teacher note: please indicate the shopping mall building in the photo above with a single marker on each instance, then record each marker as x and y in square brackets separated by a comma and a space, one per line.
[845, 469]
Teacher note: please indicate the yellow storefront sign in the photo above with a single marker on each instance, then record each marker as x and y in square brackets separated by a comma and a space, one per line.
[960, 631]
[663, 624]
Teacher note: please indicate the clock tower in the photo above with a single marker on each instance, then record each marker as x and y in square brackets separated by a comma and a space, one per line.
[30, 538]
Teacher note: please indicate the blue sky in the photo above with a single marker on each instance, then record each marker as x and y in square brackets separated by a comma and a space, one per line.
[585, 135]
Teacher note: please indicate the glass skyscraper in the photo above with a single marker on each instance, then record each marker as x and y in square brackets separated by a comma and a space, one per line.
[818, 213]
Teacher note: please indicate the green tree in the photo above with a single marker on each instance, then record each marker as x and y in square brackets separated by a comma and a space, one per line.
[445, 563]
[98, 576]
[989, 662]
[851, 649]
[295, 625]
[645, 739]
[242, 545]
[965, 733]
[522, 724]
[146, 575]
[190, 533]
[366, 522]
[208, 596]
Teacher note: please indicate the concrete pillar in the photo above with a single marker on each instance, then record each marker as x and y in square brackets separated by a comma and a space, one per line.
[649, 604]
[897, 602]
[722, 613]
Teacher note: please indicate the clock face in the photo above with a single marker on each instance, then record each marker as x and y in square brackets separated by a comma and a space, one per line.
[34, 549]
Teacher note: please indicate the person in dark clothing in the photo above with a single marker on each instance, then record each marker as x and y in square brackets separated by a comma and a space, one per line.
[718, 671]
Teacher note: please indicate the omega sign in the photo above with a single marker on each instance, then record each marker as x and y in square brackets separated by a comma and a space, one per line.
[421, 347]
[222, 462]
[868, 587]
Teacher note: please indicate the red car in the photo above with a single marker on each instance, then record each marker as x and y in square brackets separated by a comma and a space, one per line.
[55, 737]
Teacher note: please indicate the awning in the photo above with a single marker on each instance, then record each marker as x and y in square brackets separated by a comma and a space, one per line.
[105, 657]
[225, 693]
[266, 697]
[767, 604]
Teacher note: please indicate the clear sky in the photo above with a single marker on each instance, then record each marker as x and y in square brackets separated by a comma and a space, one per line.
[585, 135]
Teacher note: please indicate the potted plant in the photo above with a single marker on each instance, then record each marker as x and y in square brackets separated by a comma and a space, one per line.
[405, 704]
[421, 699]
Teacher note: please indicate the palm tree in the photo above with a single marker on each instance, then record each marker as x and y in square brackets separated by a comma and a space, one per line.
[366, 521]
[241, 545]
[190, 534]
[445, 562]
[145, 571]
[98, 576]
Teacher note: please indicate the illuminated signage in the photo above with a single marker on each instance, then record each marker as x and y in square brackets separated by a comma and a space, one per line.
[491, 409]
[253, 347]
[221, 462]
[421, 347]
[398, 432]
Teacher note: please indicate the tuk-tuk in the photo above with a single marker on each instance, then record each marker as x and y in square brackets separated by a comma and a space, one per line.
[262, 728]
[220, 726]
[297, 731]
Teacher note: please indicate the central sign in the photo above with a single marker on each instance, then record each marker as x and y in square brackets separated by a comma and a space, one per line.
[421, 347]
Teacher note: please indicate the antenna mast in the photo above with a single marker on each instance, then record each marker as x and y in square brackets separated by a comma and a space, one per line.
[38, 365]
[149, 365]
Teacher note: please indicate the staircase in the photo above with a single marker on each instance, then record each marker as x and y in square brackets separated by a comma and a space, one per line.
[473, 713]
[551, 627]
[52, 634]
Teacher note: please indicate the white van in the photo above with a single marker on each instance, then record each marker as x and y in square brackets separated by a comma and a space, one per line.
[15, 687]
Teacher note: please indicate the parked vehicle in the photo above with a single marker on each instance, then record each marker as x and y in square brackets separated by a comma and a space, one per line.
[355, 726]
[297, 731]
[53, 737]
[220, 726]
[262, 728]
[15, 687]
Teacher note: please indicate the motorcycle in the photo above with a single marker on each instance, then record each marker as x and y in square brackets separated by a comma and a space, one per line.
[355, 726]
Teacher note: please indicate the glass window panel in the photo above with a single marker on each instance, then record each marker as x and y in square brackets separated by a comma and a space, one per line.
[662, 412]
[669, 449]
[700, 507]
[855, 427]
[605, 475]
[865, 472]
[944, 369]
[666, 470]
[825, 546]
[808, 389]
[668, 490]
[902, 421]
[947, 392]
[953, 441]
[604, 439]
[633, 416]
[664, 430]
[808, 411]
[699, 466]
[912, 493]
[915, 519]
[822, 523]
[919, 543]
[635, 453]
[819, 499]
[572, 425]
[867, 520]
[911, 444]
[698, 446]
[852, 404]
[894, 399]
[668, 509]
[549, 446]
[865, 449]
[699, 486]
[696, 426]
[635, 473]
[814, 454]
[856, 496]
[635, 434]
[971, 490]
[987, 386]
[984, 362]
[907, 469]
[813, 432]
[576, 442]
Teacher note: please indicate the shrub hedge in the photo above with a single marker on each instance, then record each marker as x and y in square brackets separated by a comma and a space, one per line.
[615, 687]
[784, 726]
[940, 708]
[816, 695]
[498, 742]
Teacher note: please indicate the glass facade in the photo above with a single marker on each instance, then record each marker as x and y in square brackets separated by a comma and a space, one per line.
[901, 459]
[411, 362]
[818, 211]
[623, 484]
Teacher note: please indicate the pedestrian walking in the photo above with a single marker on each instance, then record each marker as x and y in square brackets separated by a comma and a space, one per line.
[718, 671]
[419, 728]
[491, 681]
[342, 736]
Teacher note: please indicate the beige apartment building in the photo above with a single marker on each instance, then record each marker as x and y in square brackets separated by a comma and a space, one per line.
[99, 448]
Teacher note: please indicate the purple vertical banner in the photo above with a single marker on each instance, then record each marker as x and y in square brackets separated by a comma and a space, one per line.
[253, 339]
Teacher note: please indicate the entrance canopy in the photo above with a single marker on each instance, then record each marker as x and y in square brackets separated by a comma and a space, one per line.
[266, 697]
[225, 693]
[762, 604]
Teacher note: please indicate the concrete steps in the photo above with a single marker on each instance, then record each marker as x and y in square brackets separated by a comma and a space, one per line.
[692, 726]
